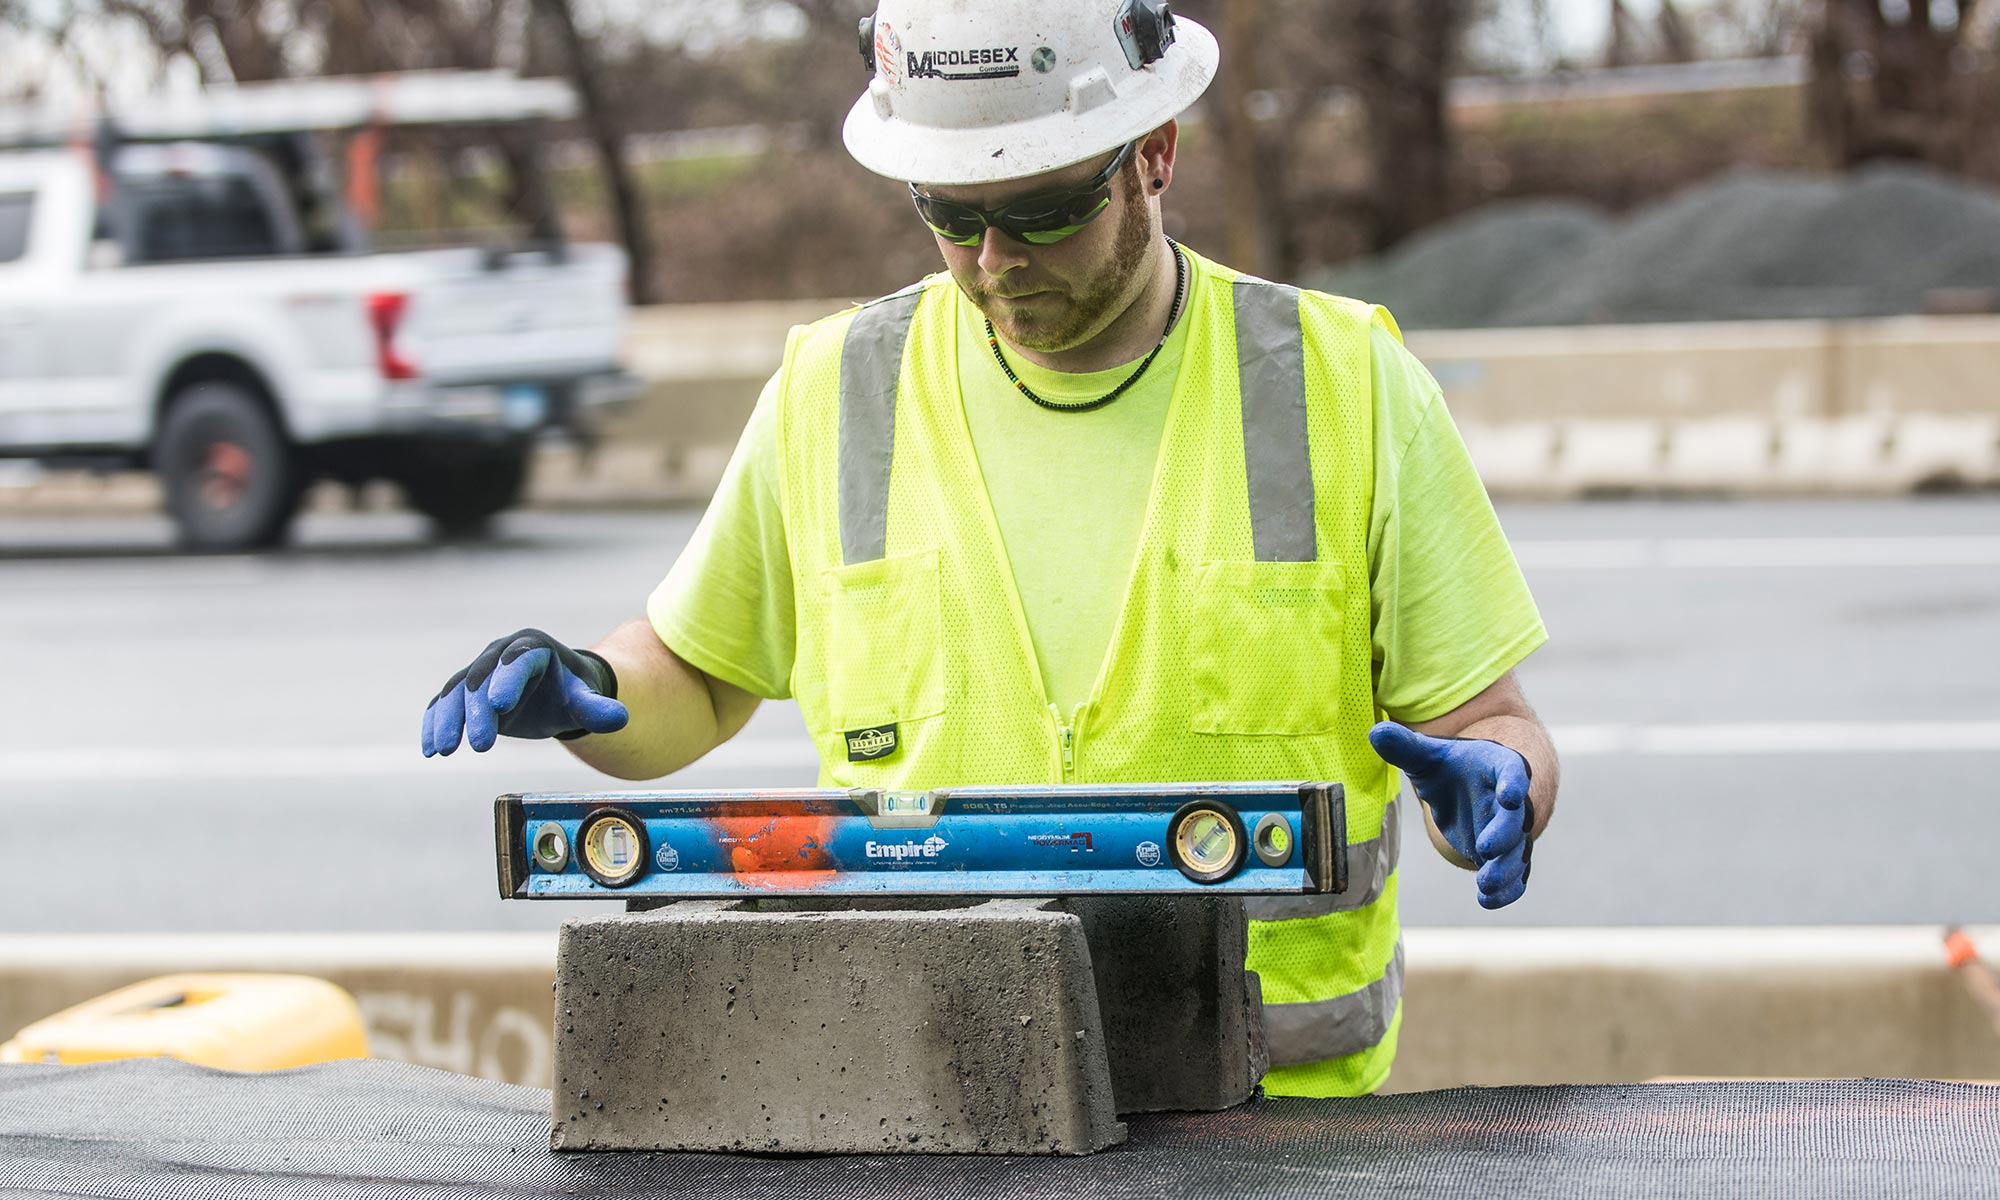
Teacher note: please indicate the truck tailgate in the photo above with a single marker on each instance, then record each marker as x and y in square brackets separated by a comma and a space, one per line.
[526, 316]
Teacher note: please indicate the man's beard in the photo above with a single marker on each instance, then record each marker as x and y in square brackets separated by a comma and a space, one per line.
[1084, 314]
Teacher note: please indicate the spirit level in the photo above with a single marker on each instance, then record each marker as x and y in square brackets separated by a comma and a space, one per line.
[1259, 838]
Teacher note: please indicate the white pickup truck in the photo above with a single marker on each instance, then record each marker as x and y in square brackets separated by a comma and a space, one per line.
[176, 312]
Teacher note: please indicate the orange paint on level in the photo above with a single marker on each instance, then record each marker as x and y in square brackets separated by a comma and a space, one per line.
[776, 843]
[787, 881]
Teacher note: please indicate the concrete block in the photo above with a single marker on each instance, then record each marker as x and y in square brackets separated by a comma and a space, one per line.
[1610, 455]
[629, 466]
[66, 491]
[612, 474]
[1614, 1005]
[1516, 458]
[788, 1027]
[1949, 449]
[1845, 454]
[1673, 371]
[1183, 1021]
[1725, 453]
[1922, 364]
[697, 468]
[703, 341]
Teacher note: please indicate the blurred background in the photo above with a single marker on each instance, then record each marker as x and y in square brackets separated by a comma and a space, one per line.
[1710, 286]
[708, 143]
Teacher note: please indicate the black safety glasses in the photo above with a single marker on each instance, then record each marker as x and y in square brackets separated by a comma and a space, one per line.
[1038, 220]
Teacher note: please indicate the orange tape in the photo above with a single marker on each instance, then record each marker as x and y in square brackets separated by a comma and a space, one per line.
[1958, 949]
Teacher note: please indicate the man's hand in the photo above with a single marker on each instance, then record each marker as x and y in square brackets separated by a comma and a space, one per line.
[1477, 792]
[525, 685]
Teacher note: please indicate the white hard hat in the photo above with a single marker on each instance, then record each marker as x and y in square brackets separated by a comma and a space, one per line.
[972, 91]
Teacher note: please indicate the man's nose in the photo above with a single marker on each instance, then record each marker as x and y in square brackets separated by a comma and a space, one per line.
[999, 253]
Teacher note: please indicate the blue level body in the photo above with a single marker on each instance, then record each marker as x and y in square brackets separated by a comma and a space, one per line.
[1242, 838]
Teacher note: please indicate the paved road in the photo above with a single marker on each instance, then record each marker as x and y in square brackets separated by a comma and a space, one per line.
[1770, 713]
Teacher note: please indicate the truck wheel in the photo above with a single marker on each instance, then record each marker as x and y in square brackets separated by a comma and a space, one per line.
[462, 495]
[231, 481]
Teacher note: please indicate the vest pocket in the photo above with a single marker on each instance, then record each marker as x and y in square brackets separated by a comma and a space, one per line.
[1264, 655]
[885, 653]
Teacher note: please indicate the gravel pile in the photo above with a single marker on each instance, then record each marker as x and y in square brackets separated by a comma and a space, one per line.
[1751, 245]
[1460, 273]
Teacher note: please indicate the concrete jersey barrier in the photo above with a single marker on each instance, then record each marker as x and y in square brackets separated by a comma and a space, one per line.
[1852, 407]
[1482, 1006]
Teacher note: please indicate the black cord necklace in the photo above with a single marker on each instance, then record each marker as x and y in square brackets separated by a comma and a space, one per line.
[1180, 292]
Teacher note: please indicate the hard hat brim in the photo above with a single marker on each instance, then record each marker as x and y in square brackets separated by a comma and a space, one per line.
[932, 155]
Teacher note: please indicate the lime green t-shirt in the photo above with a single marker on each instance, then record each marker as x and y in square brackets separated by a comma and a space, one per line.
[1069, 491]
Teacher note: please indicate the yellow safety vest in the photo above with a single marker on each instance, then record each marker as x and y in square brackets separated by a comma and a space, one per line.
[1242, 651]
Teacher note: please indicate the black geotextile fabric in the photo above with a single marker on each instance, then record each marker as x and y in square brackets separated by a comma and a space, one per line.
[163, 1130]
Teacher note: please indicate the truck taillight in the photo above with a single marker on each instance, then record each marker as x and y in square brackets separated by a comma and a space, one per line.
[385, 313]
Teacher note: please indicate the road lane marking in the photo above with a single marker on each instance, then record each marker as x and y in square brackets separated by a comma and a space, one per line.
[131, 765]
[136, 764]
[1778, 737]
[1616, 554]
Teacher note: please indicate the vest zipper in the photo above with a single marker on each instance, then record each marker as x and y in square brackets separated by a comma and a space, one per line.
[1065, 738]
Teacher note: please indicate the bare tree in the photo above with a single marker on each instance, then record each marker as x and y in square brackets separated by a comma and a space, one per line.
[1292, 71]
[1259, 236]
[1677, 39]
[1669, 37]
[1622, 50]
[1686, 32]
[1404, 51]
[1890, 79]
[823, 71]
[608, 139]
[1759, 28]
[16, 28]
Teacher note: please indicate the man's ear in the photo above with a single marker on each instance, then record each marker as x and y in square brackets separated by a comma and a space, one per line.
[1156, 158]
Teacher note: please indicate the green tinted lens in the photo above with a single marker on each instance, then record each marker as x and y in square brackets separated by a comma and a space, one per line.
[1042, 237]
[1037, 220]
[1047, 226]
[954, 238]
[953, 222]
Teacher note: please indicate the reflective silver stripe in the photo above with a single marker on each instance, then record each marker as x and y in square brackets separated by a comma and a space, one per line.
[1317, 1029]
[1369, 865]
[871, 362]
[1271, 362]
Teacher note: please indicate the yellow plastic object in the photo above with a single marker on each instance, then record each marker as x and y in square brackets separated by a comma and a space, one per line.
[232, 1022]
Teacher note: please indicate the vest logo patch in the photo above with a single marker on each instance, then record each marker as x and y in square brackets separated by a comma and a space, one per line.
[879, 741]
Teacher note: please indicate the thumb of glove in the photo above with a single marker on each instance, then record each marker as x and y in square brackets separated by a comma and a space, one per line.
[597, 713]
[1406, 749]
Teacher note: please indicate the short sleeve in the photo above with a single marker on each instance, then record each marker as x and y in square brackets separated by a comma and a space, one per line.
[1452, 611]
[726, 604]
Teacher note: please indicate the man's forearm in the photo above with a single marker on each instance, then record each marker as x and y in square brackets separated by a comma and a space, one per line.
[678, 712]
[1501, 714]
[1527, 737]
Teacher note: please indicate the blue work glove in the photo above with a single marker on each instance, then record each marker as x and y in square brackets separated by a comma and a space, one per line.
[525, 685]
[1478, 793]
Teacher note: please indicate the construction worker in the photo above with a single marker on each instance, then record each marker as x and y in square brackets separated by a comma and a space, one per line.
[1089, 507]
